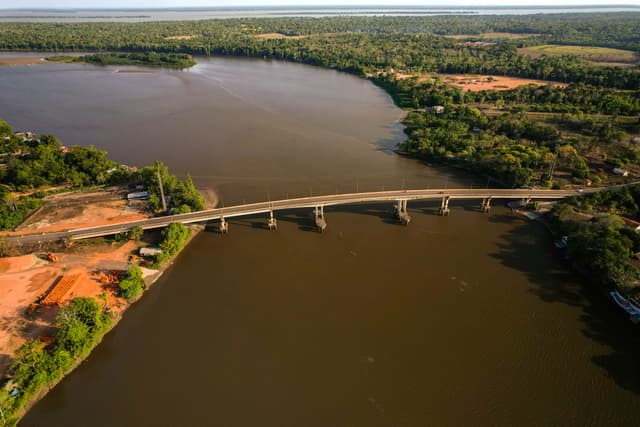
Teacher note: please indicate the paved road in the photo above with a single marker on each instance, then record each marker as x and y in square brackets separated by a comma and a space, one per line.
[306, 202]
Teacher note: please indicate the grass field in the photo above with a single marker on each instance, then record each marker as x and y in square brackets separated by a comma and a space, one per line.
[595, 55]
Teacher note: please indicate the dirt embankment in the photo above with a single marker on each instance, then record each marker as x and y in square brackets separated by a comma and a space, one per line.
[25, 279]
[21, 60]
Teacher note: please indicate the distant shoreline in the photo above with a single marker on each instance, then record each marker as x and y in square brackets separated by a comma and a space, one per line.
[235, 12]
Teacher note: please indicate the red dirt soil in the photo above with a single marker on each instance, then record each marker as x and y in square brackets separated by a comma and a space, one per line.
[23, 280]
[476, 82]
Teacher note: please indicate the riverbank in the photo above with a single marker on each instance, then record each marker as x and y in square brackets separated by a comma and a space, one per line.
[597, 245]
[115, 305]
[21, 60]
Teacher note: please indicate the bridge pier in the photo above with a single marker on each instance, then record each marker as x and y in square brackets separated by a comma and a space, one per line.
[321, 223]
[272, 224]
[486, 204]
[444, 207]
[401, 211]
[525, 201]
[224, 226]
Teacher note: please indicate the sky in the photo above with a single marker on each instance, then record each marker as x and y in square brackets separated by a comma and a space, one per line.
[87, 4]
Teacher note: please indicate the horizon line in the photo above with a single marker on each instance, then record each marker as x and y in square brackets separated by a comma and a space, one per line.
[328, 6]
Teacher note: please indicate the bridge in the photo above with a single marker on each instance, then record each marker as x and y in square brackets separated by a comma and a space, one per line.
[399, 198]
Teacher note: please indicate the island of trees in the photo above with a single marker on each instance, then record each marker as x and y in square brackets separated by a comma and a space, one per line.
[146, 59]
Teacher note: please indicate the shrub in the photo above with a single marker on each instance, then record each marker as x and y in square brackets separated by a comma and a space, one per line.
[136, 233]
[133, 284]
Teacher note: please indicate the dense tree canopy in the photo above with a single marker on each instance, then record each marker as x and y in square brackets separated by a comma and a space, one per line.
[603, 247]
[34, 162]
[364, 44]
[80, 325]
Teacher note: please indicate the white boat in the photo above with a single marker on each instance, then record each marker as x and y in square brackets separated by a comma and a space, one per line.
[562, 243]
[632, 309]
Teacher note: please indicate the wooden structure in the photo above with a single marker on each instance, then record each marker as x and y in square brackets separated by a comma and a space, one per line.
[60, 290]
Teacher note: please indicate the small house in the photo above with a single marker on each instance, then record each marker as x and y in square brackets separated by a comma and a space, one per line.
[436, 109]
[621, 172]
[150, 252]
[138, 195]
[563, 243]
[631, 223]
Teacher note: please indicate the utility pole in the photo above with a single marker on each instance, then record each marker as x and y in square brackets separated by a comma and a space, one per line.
[164, 202]
[552, 168]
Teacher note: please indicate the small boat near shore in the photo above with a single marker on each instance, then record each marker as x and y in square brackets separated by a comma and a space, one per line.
[562, 243]
[627, 305]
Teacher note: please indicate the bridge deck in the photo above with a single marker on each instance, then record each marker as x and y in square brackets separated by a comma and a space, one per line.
[311, 202]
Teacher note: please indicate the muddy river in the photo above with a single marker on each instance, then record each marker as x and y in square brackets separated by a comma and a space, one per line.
[465, 320]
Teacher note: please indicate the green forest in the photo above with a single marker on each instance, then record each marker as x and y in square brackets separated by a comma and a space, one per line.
[80, 326]
[366, 44]
[28, 165]
[602, 247]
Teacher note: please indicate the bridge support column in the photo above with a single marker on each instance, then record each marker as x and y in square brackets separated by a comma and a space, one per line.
[486, 204]
[272, 224]
[525, 201]
[224, 226]
[401, 211]
[321, 223]
[444, 207]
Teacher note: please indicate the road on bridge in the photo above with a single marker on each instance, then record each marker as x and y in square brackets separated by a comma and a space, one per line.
[307, 202]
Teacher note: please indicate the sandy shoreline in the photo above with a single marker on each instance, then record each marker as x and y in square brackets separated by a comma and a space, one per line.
[211, 198]
[8, 61]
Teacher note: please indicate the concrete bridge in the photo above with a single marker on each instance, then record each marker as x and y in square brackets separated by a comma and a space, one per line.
[400, 199]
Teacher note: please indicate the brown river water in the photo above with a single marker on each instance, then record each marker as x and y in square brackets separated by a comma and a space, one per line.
[466, 320]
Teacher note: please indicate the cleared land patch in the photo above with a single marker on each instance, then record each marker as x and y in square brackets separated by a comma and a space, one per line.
[183, 37]
[26, 279]
[279, 36]
[493, 36]
[476, 82]
[77, 210]
[596, 55]
[20, 60]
